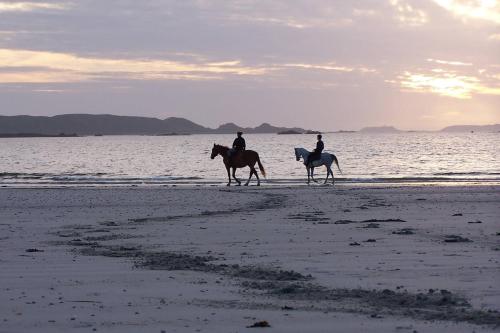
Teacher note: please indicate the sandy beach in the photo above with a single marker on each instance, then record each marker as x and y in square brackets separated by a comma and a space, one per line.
[217, 259]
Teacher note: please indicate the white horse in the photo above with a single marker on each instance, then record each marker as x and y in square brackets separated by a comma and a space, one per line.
[326, 159]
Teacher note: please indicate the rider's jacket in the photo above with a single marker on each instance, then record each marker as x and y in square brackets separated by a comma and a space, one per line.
[319, 147]
[239, 144]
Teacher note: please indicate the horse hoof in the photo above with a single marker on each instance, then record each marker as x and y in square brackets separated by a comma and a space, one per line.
[246, 184]
[228, 184]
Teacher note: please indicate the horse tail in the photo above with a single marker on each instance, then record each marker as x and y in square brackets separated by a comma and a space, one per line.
[261, 167]
[336, 162]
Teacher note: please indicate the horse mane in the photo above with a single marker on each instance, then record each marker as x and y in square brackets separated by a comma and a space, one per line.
[221, 146]
[301, 149]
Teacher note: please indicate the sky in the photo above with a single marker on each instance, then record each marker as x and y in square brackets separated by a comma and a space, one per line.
[319, 64]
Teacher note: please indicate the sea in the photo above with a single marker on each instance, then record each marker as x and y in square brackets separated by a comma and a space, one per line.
[365, 159]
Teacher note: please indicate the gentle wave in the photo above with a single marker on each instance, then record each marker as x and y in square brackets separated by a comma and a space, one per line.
[86, 179]
[38, 175]
[467, 173]
[28, 180]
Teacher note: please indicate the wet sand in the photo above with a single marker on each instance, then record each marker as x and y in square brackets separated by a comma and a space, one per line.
[213, 259]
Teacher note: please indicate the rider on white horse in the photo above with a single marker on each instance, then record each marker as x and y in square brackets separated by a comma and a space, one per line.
[325, 159]
[316, 153]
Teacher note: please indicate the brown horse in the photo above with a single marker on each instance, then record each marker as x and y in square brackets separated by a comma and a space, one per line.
[246, 158]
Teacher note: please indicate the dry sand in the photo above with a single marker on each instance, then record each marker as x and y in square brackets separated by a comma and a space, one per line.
[212, 259]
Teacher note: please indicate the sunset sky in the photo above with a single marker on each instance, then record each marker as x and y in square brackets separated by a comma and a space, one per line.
[323, 64]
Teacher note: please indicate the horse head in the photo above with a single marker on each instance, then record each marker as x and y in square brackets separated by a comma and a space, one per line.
[297, 156]
[218, 150]
[214, 151]
[298, 153]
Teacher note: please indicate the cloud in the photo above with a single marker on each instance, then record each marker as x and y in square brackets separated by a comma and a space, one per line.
[408, 15]
[42, 77]
[331, 66]
[10, 6]
[24, 66]
[327, 67]
[301, 14]
[63, 67]
[452, 63]
[487, 10]
[293, 22]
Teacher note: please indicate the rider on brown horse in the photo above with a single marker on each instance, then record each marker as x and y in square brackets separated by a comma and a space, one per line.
[239, 145]
[316, 154]
[245, 158]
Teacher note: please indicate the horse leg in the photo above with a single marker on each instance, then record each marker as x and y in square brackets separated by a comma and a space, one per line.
[228, 176]
[308, 181]
[333, 177]
[252, 170]
[256, 175]
[312, 175]
[328, 170]
[234, 176]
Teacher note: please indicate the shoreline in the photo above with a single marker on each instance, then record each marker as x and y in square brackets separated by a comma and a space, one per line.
[219, 259]
[146, 182]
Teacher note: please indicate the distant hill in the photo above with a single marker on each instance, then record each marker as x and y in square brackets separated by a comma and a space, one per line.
[380, 129]
[85, 124]
[268, 128]
[105, 124]
[263, 128]
[475, 128]
[229, 128]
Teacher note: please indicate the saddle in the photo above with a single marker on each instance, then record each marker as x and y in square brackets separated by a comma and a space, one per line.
[314, 157]
[234, 154]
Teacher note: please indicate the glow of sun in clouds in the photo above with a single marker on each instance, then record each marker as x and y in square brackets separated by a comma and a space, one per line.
[478, 9]
[446, 84]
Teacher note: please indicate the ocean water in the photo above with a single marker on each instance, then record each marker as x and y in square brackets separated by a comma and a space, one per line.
[157, 160]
